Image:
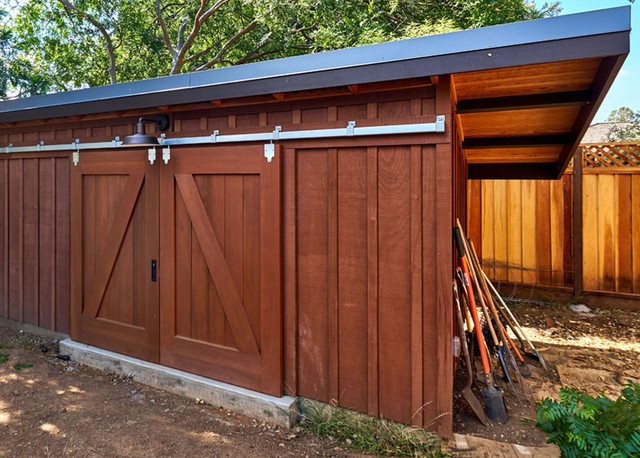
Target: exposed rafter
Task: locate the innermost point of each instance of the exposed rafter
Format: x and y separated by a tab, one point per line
516	142
524	102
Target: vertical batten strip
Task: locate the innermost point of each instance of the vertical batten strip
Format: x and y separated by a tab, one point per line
5	241
290	274
372	280
416	287
52	317
332	274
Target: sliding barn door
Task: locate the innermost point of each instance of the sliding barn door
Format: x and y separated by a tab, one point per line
220	265
115	297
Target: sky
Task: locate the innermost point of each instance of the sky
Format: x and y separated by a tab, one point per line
625	90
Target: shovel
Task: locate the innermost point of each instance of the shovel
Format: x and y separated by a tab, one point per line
471	398
492	396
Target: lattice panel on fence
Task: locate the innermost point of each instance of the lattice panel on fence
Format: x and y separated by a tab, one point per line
611	155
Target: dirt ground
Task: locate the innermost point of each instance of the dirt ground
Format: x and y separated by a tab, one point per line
59	408
52	407
593	351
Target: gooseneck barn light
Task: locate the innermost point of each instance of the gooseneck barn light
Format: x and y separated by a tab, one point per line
142	139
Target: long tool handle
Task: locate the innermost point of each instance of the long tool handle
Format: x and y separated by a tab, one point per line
472	303
463	337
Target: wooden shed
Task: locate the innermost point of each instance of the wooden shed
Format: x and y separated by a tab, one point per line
291	233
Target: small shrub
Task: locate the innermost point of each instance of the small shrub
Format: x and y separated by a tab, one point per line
20	366
584	426
3	358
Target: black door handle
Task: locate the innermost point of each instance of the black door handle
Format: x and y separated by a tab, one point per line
154	270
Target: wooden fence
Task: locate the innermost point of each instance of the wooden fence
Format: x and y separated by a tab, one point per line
580	234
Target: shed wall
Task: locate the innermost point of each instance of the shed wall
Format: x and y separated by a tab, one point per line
363	222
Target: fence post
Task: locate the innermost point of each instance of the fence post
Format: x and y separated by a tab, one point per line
577	227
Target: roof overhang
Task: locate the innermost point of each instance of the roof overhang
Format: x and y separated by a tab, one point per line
600	39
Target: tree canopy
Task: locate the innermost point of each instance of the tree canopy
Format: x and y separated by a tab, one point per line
626	127
54	45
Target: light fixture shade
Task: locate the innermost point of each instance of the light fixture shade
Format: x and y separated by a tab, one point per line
140	140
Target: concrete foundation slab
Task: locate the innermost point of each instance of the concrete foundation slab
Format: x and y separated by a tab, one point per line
279	411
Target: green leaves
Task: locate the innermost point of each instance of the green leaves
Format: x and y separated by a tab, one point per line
584	426
56	48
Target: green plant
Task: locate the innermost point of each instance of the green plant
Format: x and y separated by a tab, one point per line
20	366
369	434
3	358
584	426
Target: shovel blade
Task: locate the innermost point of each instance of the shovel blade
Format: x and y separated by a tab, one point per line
475	405
494	404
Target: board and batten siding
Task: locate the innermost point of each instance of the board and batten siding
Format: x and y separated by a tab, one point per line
34	241
367	251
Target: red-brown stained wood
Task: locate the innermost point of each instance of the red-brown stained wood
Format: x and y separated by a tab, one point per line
312	281
332	274
4	239
352	280
416	288
290	304
567	186
394	287
30	249
16	240
373	381
47	248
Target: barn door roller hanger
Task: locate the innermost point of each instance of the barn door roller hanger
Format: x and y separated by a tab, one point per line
269	148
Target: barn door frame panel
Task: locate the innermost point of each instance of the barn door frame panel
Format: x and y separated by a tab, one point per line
140	341
255	364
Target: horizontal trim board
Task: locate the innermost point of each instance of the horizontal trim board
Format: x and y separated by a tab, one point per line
277	135
522	171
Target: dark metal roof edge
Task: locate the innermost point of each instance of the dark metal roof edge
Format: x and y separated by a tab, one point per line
92	100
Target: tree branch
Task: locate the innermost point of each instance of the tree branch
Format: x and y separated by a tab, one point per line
165	32
252	56
110	49
218	57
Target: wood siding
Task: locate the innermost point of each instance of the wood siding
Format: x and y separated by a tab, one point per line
367	249
34	241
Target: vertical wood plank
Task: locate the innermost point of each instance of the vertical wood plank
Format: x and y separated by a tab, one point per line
182	231
30	249
514	228
606	230
501	236
217	209
429	285
332	273
251	251
394	283
567	236
417	418
635	225
543	229
556	228
474	219
372	282
63	245
233	237
312	192
624	280
529	256
289	272
352	277
488	229
199	276
590	243
4	238
16	239
46	236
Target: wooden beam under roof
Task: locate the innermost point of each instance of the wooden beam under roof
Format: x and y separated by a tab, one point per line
522	171
606	74
524	102
516	142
